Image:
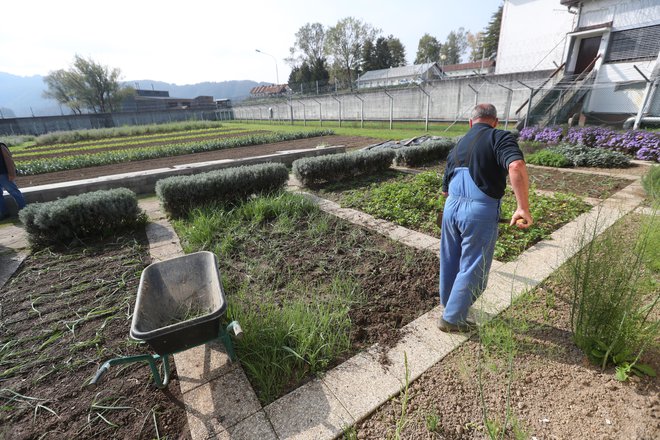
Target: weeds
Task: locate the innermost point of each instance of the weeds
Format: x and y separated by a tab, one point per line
611	317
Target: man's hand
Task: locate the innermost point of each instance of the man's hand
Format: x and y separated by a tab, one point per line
521	219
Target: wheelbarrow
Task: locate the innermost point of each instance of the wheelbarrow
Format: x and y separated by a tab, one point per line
180	305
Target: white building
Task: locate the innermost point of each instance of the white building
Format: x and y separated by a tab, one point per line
394	76
601	51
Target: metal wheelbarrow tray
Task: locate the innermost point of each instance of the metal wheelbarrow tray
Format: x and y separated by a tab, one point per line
180	304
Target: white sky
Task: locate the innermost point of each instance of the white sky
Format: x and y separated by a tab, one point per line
193	41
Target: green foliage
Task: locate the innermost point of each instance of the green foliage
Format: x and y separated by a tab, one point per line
549	159
410	202
414	202
336	167
40	166
582	156
181	193
428	50
95	214
425	153
651	183
60	137
612	317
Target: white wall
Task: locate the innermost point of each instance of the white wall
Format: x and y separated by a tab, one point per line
623	14
533	35
605	98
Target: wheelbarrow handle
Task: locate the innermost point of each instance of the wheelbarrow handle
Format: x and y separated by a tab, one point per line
100	372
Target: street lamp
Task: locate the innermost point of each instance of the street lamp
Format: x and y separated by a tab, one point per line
277	75
443	57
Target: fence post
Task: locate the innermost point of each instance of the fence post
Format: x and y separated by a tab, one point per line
428	106
476	95
304	113
361	110
339	105
509	96
529	102
391	106
320	115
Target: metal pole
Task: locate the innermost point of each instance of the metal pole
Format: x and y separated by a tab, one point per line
277	75
320	116
476	95
509	95
529	102
391	107
339	104
304	113
428	106
361	110
647	90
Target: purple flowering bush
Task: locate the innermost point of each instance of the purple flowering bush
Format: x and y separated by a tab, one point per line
547	135
643	145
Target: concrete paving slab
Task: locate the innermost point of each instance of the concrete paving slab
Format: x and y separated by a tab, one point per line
309	412
201	364
220	404
254	427
420	241
361	384
423	345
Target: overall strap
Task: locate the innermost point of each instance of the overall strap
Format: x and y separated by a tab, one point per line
470	149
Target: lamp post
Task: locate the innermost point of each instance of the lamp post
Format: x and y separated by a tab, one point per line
277	76
443	57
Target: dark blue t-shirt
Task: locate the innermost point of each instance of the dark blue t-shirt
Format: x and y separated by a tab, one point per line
487	152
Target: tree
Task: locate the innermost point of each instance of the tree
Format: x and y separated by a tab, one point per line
309	45
86	85
428	50
368	57
475	44
397	51
492	33
455	46
344	43
382	54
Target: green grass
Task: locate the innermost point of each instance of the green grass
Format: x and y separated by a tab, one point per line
378	130
295	321
413	201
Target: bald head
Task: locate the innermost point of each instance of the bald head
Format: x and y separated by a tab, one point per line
484	113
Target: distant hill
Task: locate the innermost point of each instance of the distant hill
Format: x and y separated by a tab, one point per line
22	95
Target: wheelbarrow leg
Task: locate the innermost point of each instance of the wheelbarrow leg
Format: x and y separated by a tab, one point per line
235	328
150	358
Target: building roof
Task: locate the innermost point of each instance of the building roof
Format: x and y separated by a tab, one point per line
468	66
269	90
396	72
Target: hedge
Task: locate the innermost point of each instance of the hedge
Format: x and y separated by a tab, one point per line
332	168
95	214
429	151
179	194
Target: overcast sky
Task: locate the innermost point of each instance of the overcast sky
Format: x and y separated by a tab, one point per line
186	42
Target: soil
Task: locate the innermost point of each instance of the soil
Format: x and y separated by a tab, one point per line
85	296
550	388
164	162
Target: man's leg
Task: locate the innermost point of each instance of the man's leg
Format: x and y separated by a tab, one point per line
477	250
450	256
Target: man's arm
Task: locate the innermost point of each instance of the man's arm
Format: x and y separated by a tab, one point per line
520	183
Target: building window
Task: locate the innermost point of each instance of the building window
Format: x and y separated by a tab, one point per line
634	44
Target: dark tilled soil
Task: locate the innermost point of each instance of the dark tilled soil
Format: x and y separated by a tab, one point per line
164	162
82	295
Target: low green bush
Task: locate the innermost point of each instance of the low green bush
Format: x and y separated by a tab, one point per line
549	159
336	167
651	183
95	214
427	152
582	156
181	193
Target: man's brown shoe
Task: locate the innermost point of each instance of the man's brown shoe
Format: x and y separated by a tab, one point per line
464	327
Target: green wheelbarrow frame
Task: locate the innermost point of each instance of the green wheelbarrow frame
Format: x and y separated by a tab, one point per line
166	287
152	359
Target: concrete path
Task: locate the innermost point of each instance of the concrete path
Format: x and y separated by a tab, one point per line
219	399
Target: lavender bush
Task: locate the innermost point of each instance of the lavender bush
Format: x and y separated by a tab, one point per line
548	135
640	144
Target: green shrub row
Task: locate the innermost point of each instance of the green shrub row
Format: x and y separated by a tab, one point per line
579	156
336	167
427	152
40	166
181	193
95	214
549	159
58	137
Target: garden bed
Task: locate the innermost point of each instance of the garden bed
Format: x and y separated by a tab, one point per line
414	200
526	363
309	289
64	313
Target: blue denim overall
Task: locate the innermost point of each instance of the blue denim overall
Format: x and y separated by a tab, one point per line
467	243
